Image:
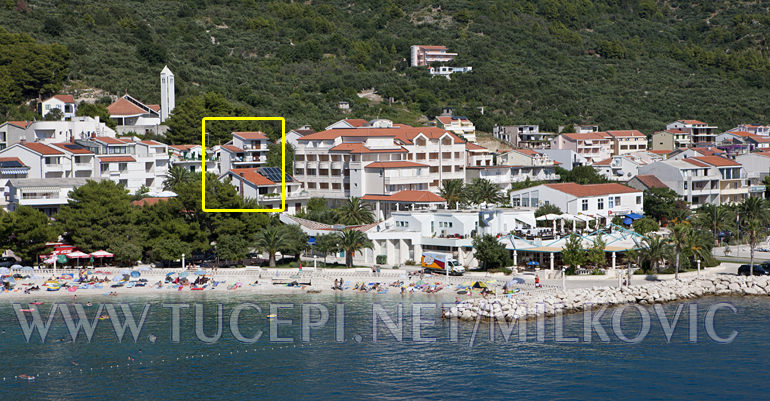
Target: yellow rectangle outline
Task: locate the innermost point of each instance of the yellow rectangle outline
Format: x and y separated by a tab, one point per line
283	163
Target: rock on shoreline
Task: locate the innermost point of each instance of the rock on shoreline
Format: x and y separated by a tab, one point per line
532	305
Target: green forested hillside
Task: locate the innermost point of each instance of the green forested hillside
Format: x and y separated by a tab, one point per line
618	63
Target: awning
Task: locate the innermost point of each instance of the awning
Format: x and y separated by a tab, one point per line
634	216
13	171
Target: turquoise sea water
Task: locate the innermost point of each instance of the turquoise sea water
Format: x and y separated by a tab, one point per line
473	366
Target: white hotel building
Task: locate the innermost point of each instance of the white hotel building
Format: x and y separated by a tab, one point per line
343	162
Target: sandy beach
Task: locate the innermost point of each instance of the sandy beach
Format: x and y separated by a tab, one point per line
241	281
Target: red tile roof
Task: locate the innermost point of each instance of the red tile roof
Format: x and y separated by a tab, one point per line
251	175
395	164
715	161
404	133
232	148
357	122
182	147
116	159
741	133
473	146
149	201
407	196
155	107
692	122
152	143
110	140
76	149
605	162
12	159
528	152
22	124
432	47
360	148
123	107
765	153
250	135
586	136
65	98
651	181
591	189
708	151
759	139
624	133
43	149
448	119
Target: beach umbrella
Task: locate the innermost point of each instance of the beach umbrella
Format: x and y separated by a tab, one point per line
101	254
25	268
170	273
135	274
78	255
200	272
515	280
16	267
532	263
5	270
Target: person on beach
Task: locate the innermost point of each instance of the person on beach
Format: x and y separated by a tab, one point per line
537	282
336	285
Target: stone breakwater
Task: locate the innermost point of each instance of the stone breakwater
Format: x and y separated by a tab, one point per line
532	305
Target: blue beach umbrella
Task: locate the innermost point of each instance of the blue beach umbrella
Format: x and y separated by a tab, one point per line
135	274
532	263
169	274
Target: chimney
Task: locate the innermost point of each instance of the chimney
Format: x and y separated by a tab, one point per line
241	174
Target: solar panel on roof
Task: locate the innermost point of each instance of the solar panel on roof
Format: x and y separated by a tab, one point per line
273	174
10	164
73	146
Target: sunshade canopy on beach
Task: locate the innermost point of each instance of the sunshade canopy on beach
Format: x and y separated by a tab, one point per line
78	255
479	284
101	254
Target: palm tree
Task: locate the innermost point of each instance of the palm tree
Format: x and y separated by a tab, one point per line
755	208
452	191
355	212
352	241
698	244
177	175
270	240
753	228
483	191
654	249
713	217
680	232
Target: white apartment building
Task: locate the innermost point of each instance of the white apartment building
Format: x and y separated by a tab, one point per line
46	195
264	185
406	235
596	200
79	127
479	155
593	146
49	161
132	164
64	103
702	180
190	157
523	136
332	163
135	117
701	134
626	166
757	167
460	126
423	55
246	150
627	141
753	129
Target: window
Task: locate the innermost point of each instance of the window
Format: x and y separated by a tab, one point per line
600	203
685	185
617	201
639	200
585	204
610	202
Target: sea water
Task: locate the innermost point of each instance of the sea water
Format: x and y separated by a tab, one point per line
384	346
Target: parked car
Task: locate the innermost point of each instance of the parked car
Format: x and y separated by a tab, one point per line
7	261
759	270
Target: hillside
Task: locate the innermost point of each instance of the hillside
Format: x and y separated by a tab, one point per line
621	64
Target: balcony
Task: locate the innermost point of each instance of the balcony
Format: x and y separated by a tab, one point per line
84	166
413	179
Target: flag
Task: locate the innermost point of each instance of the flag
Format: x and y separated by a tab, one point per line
738	218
